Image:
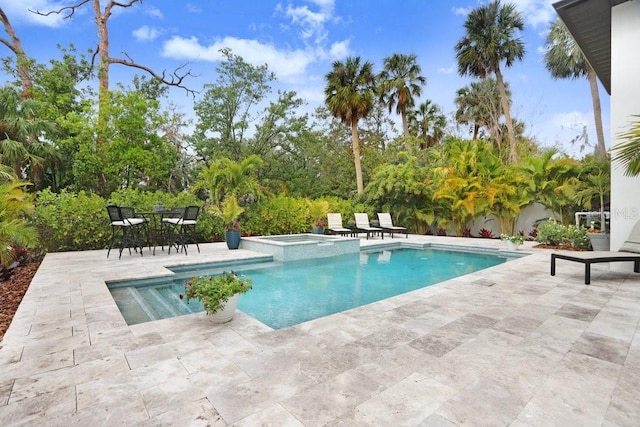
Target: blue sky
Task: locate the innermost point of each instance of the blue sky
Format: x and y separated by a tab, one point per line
299	40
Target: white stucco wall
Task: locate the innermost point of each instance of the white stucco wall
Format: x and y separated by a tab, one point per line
625	102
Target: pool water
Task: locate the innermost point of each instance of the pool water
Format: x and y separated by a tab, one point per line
293	292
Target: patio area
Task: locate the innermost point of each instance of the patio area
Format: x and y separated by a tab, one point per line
509	345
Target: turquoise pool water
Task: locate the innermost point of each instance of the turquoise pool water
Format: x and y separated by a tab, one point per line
293	292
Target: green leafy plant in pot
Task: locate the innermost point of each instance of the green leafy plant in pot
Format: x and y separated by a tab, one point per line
218	294
230	213
597	186
318	211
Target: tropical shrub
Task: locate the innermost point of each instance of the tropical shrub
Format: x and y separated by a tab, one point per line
576	237
15	230
551	232
71	222
278	215
486	234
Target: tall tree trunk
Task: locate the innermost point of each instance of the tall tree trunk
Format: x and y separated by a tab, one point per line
405	123
355	141
513	154
104	61
600	149
22	61
476	129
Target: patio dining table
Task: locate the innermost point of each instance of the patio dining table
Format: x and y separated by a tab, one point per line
158	232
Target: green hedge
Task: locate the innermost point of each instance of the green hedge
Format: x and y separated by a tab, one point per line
290	215
75	222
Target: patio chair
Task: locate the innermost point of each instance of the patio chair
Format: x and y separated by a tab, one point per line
127	228
362	226
130	213
183	228
334	225
629	251
387	225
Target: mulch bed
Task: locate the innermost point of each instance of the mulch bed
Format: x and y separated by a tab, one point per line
565	247
11	292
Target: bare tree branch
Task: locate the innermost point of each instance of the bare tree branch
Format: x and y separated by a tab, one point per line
69	10
175	78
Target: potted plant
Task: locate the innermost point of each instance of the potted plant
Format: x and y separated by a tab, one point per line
598	186
318	211
218	294
512	241
318	228
230	212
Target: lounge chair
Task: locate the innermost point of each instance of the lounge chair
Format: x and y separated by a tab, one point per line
629	251
362	226
334	225
387	225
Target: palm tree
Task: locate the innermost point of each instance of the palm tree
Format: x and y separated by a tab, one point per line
490	40
225	178
427	123
400	82
628	153
564	60
480	104
349	95
20	128
15	202
552	181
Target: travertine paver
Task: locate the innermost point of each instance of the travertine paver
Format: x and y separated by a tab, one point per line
509	345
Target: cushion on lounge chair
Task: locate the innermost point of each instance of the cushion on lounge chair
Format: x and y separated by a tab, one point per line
387	224
632	244
334	224
362	225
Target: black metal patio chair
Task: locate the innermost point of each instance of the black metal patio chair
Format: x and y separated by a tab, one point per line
126	228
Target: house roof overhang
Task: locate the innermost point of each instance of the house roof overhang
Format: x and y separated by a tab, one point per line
589	21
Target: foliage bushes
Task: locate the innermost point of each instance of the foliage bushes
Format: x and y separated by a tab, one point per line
289	215
551	232
79	221
72	222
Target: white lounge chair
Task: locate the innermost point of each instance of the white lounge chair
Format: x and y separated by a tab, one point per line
387	224
334	225
629	251
362	226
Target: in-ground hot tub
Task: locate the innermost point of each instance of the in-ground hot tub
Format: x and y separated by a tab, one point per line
291	247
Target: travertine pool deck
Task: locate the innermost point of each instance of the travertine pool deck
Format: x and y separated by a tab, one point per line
509	345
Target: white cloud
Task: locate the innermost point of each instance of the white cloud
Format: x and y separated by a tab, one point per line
536	12
311	23
339	50
192	8
154	11
285	64
448	70
146	33
19	12
461	11
574	120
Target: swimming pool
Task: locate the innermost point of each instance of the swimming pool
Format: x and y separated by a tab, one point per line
289	293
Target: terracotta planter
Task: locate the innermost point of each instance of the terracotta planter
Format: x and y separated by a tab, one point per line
226	314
